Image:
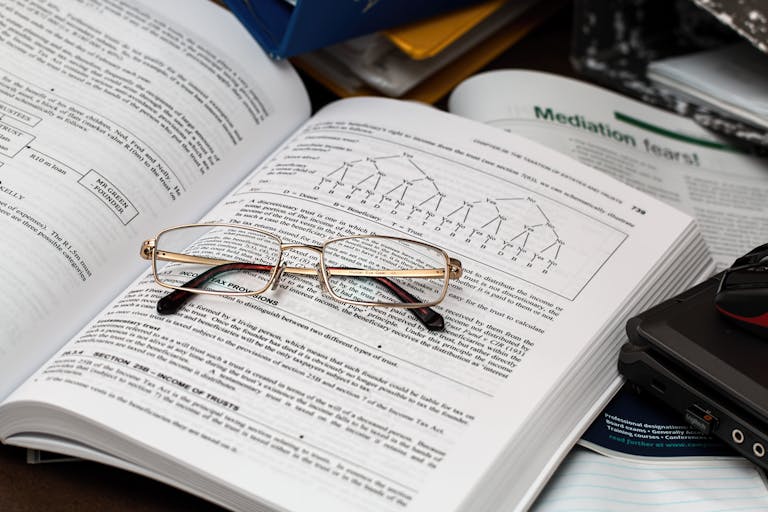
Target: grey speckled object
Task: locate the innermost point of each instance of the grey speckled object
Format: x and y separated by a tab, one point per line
614	41
748	17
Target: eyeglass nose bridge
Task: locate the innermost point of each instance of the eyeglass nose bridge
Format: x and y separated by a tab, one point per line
318	269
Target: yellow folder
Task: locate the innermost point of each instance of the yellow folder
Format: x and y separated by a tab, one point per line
427	38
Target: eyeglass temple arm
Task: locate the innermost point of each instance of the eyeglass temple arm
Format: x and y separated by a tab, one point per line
172	302
430	318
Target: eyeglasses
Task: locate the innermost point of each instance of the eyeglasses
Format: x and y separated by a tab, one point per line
364	270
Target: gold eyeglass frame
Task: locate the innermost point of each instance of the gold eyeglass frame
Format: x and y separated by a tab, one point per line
451	270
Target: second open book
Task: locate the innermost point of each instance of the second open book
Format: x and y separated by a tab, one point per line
290	401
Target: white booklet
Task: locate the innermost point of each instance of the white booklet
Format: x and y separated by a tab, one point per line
289	400
665	155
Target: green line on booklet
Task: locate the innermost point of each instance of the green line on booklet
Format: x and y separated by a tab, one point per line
673	135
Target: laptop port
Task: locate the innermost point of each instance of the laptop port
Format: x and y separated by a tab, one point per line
658	386
700	419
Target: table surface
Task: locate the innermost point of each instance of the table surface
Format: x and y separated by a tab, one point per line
86	486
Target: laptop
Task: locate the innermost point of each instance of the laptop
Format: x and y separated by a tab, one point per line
713	373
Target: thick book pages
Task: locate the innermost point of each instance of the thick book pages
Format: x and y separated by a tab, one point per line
245	400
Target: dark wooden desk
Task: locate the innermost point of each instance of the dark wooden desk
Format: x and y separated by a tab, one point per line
85	486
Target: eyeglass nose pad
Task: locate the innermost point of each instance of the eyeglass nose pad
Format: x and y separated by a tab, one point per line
321	278
278	274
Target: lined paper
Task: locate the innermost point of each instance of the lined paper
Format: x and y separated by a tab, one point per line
589	482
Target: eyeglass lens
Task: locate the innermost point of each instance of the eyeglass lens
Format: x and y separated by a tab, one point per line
384	254
231	259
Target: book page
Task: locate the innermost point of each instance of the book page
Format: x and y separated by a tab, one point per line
363	408
115	120
665	155
589	481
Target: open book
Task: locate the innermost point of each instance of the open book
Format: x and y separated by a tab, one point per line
289	400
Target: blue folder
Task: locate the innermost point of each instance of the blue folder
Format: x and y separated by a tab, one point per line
284	30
